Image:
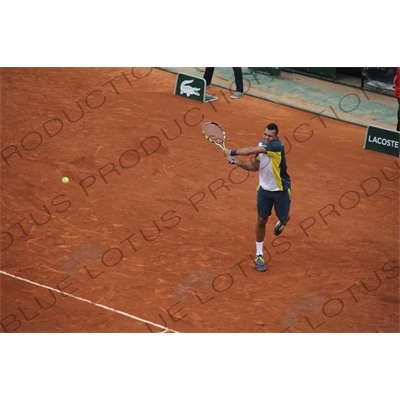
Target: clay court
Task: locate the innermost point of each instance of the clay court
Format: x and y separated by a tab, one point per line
155	230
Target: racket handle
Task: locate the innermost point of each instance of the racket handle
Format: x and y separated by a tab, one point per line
232	161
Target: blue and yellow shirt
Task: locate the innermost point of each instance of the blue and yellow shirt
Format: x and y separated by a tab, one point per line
273	174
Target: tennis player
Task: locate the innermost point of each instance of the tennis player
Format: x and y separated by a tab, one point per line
273	189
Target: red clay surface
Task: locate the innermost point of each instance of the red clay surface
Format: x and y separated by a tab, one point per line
156	224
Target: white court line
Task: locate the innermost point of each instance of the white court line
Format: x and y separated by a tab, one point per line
165	329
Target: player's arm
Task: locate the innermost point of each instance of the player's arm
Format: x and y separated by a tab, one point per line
252	165
245	151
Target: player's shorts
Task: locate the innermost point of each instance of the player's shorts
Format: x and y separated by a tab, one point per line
280	200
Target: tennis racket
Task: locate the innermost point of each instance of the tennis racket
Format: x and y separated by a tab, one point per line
214	133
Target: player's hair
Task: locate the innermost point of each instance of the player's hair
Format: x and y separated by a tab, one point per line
272	127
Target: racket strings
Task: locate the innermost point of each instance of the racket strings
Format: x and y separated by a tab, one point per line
214	132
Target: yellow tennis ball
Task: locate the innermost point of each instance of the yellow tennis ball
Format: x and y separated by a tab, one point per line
65	180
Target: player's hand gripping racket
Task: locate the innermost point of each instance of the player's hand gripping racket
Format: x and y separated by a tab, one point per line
215	134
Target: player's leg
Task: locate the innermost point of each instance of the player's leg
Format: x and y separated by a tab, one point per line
260	229
264	208
282	203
